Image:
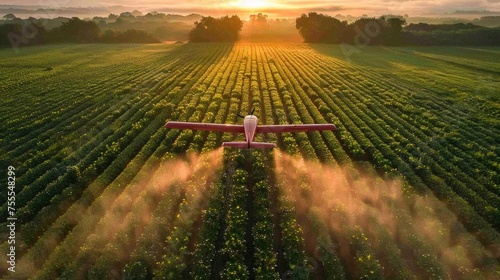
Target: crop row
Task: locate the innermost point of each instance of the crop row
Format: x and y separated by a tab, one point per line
73	186
161	119
93	190
66	156
375	155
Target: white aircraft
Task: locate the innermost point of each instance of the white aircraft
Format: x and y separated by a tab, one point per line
250	127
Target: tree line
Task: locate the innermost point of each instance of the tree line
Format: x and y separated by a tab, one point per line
313	28
210	29
166	27
391	31
31	32
18	32
459	34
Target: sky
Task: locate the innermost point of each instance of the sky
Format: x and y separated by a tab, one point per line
292	8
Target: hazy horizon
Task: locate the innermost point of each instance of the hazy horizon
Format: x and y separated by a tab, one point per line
283	8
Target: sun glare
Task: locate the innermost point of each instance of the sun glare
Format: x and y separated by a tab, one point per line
252	4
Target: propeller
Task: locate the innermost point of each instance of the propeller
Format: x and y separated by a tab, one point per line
251	113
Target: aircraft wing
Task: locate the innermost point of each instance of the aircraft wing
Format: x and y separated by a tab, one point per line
206	126
294	128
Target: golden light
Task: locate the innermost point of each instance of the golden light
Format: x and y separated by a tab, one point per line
252	4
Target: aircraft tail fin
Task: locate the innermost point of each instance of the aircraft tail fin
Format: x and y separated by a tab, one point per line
244	145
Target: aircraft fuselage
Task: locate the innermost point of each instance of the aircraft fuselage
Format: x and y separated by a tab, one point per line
250	126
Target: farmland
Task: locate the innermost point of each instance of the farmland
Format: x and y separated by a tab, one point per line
407	188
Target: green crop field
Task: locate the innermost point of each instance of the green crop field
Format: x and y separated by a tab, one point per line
407	188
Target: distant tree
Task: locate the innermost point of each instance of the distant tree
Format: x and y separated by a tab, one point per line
209	29
126	15
17	34
372	31
258	19
120	20
75	31
451	35
396	24
9	16
128	36
112	16
102	23
365	31
315	28
440	27
319	28
392	31
155	15
136	13
109	36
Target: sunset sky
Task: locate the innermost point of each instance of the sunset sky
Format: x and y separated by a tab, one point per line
292	8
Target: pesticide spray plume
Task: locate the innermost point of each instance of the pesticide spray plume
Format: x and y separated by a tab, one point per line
177	170
346	199
124	208
127	212
133	209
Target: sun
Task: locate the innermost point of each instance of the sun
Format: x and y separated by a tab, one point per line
252	4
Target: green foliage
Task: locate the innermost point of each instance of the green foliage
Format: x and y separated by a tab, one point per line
319	28
128	36
75	30
93	138
209	29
